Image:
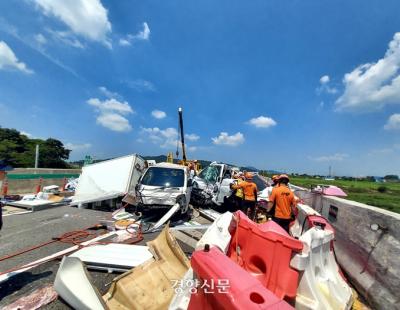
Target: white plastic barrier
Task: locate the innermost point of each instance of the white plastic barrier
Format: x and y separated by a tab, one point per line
321	286
300	226
218	233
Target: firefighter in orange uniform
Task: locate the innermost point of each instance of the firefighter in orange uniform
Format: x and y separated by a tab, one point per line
283	199
250	190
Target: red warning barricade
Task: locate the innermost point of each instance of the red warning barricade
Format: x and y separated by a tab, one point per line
265	251
317	220
39	186
5	187
64	184
225	285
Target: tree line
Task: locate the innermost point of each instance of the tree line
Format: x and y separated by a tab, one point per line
18	151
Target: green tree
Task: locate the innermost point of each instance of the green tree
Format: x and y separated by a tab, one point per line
12	146
391	177
18	150
53	154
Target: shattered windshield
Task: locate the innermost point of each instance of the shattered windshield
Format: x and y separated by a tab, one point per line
157	176
210	173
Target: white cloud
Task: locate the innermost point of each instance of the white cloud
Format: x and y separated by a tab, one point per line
66	37
371	86
110	113
87	18
225	139
334	157
166	138
143	35
111	105
77	146
8	60
192	137
324	87
40	38
140	85
26	134
158	114
262	122
109	94
12	31
324	79
393	122
114	121
124	42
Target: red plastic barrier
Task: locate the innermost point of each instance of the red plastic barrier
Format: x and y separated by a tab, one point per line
265	251
241	290
5	187
316	220
39	186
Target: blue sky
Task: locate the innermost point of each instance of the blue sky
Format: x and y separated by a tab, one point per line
290	85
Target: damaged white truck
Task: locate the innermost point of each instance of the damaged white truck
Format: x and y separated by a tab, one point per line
162	186
212	185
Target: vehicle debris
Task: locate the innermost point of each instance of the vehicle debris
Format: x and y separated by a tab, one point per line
149	285
35	300
108	179
116	257
73	285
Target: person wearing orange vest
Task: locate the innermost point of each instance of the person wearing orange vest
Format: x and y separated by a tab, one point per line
237	193
275	180
283	199
275	183
250	190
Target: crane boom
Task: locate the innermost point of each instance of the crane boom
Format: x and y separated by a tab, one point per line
182	136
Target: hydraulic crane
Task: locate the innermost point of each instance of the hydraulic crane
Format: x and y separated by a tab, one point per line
184	160
182	137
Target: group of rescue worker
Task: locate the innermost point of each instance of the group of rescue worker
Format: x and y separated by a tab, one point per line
281	199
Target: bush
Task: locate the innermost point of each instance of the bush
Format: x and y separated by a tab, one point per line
382	189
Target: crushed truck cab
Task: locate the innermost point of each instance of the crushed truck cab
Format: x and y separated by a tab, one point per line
162	186
212	185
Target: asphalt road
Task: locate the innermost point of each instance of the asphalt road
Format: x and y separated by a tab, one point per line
26	230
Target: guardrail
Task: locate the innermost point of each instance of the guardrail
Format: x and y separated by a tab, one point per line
367	245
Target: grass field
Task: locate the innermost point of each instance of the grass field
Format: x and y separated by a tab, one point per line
387	197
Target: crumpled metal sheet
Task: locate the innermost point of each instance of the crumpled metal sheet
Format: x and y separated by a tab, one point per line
150	285
35	300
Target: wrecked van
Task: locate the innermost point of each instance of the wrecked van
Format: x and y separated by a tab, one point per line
162	186
212	184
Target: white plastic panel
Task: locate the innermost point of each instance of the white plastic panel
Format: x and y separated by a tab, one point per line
121	255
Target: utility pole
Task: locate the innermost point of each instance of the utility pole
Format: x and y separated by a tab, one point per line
330	171
37	156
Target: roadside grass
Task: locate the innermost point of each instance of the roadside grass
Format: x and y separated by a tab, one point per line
382	195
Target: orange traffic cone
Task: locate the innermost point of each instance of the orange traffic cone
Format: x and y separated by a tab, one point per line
5	187
64	184
39	186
